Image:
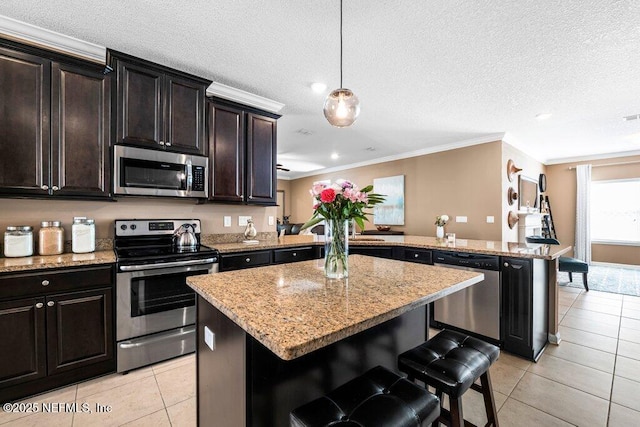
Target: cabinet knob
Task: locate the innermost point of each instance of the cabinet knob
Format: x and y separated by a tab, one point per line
250	197
506	264
161	142
50	304
45	187
55	188
45	283
295	254
168	144
39	305
248	260
415	255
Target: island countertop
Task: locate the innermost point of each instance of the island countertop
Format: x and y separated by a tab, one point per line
488	247
293	310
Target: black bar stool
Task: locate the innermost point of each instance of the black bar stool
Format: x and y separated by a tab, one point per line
377	398
451	362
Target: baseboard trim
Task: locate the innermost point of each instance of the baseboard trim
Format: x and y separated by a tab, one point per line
614	265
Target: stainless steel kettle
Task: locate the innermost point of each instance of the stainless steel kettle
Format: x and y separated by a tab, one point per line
185	237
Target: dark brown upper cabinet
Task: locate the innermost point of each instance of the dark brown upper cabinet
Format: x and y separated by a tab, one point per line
242	153
54	124
157	107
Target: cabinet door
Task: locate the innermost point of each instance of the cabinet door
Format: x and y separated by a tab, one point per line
80	118
79	329
517	305
226	153
139	106
261	160
24	123
22	346
185	114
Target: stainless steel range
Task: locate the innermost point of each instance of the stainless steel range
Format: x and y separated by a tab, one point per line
155	311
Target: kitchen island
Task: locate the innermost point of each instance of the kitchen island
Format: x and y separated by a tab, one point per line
283	335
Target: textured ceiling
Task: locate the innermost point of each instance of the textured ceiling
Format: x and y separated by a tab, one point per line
428	73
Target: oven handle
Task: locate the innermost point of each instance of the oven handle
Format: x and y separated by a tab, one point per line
168	264
181	332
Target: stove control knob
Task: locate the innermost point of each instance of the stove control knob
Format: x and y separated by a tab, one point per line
133	226
123	227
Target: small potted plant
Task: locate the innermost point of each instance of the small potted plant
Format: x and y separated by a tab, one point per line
441	221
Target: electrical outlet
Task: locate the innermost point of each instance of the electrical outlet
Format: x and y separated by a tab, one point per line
227	221
242	220
271	220
490	219
461	219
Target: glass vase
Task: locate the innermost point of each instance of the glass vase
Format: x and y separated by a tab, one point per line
336	249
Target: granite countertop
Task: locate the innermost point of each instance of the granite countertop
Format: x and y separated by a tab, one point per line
512	249
12	265
292	309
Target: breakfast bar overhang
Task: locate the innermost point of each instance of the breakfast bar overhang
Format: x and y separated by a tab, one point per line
272	338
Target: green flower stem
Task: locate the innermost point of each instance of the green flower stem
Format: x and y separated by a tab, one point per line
336	249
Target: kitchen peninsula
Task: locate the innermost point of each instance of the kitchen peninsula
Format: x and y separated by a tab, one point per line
271	338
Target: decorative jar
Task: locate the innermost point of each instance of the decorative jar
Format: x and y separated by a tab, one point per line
18	241
50	238
440	232
83	235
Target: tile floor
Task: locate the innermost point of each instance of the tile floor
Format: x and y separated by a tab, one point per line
591	379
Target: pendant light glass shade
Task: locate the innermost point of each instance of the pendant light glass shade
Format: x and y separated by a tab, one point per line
341	108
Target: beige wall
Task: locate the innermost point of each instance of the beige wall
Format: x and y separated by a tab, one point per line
460	182
32	212
562	195
530	168
285	185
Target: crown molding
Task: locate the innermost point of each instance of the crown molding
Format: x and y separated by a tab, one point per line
243	97
438	148
23	32
593	157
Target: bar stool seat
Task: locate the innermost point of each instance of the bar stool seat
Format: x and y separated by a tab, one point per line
451	362
377	398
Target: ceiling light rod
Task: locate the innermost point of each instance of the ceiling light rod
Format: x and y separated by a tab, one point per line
342	107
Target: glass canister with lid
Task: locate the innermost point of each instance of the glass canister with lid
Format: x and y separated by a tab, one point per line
18	241
83	235
50	238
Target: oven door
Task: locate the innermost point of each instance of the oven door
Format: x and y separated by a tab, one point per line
154	298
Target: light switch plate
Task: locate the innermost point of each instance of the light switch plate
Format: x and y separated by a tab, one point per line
227	221
461	219
242	220
270	219
209	338
490	219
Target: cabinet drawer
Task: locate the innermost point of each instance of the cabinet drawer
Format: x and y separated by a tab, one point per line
380	252
417	255
293	254
245	260
47	282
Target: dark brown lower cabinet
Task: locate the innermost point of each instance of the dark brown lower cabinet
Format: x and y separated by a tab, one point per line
53	335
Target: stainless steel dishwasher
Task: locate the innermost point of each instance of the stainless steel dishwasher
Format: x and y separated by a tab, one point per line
476	308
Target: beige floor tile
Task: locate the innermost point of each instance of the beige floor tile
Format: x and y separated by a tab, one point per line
108	382
625	392
473	408
582	355
513	360
620	416
629	334
629	349
598	307
566	299
589	325
631	304
562	309
157	419
504	377
177	384
588	339
60	419
570	290
183	414
517	414
128	403
627	368
602	295
600	317
63	395
626	322
631	313
174	363
569	404
574	375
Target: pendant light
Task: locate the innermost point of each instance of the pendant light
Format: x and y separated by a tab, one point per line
342	106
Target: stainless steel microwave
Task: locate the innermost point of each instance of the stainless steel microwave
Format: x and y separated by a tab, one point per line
143	172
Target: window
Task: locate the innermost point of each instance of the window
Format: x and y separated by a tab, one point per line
615	211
